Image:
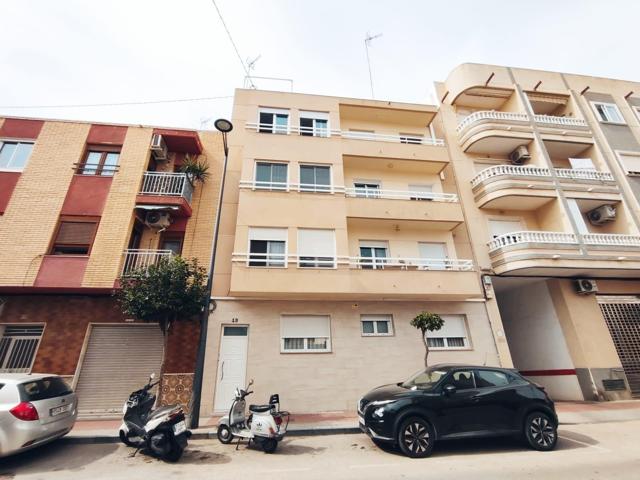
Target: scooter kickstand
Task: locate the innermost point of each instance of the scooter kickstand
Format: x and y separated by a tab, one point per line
131	455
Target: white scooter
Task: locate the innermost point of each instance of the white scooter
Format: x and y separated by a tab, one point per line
265	426
163	430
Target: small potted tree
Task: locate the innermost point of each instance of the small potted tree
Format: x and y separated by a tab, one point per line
427	321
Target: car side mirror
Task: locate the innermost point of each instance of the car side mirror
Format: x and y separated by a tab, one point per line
449	389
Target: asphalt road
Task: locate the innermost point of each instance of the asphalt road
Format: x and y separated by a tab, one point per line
588	451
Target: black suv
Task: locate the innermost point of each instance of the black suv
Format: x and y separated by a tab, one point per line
458	401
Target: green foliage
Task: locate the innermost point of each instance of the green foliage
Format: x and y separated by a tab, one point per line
427	321
196	170
171	290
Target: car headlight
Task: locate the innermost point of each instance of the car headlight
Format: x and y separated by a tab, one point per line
381	404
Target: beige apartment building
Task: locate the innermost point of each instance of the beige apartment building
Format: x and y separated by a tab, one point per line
341	221
547	166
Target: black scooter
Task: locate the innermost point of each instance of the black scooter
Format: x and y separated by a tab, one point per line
162	431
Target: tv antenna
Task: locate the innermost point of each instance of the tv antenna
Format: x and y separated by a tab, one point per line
367	42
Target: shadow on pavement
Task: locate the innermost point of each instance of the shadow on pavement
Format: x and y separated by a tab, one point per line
54	457
200	457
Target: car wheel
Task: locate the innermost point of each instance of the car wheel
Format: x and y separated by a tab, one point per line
224	434
540	431
416	437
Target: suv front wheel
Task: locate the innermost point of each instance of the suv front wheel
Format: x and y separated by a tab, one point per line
416	437
540	431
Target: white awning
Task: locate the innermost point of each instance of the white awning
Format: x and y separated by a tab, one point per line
157	207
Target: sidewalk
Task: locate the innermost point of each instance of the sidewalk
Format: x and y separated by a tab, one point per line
569	413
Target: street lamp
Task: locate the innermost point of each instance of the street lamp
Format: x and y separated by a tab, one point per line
223	126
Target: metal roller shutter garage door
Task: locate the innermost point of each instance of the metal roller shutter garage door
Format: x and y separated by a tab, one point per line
118	360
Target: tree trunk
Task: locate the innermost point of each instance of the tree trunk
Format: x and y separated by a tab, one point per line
426	348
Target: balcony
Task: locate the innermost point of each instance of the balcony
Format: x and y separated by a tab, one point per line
136	260
561	254
499	133
289	276
166	189
528	187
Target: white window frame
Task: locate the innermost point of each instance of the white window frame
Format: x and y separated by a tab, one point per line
313	188
467	336
314	116
523	226
405	137
325	266
286	247
594	105
376	263
276	188
19	142
371	317
627	153
274	112
12	345
415	193
445	260
366	192
306	348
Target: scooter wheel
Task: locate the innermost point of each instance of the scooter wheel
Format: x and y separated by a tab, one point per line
269	445
224	434
174	454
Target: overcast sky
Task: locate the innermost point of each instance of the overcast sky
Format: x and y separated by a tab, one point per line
69	52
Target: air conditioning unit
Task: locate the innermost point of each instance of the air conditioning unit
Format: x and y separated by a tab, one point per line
520	155
603	214
157	219
159	148
585	286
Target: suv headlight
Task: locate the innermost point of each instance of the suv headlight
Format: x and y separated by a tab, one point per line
379	407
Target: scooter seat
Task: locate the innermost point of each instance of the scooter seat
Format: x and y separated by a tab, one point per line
259	408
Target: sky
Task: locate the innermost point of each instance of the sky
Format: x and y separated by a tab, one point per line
75	52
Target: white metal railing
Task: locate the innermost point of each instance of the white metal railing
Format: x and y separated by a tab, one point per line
565	121
321	132
511	170
290	187
584	174
139	259
515	238
282	260
169	184
611	239
490	115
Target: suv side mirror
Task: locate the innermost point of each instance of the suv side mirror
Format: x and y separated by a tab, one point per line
449	389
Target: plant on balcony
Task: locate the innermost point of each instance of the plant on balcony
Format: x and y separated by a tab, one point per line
427	321
196	170
173	289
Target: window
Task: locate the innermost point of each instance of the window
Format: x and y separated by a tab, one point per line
99	161
367	189
502	227
172	241
630	163
271	176
74	236
314	124
316	248
373	255
433	255
376	325
305	333
452	335
18	345
414	138
14	155
43	389
581	164
462	380
315	178
274	121
608	112
491	378
267	247
420	192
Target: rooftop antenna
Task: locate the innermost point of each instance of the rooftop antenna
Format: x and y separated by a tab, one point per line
367	42
251	65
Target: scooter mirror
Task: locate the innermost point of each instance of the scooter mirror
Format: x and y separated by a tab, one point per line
250	382
152	376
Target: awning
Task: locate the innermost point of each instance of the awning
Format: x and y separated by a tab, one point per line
157	207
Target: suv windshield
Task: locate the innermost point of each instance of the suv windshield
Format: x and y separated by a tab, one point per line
427	378
43	389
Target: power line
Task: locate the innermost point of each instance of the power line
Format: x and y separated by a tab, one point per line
118	104
244	67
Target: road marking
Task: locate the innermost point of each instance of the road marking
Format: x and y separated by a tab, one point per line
585	444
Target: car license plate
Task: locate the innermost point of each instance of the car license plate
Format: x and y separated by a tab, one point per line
179	427
58	410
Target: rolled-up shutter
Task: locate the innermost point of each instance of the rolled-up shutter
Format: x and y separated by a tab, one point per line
76	233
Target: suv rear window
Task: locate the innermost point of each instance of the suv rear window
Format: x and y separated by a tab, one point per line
43	389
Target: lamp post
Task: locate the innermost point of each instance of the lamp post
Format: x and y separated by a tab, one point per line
224	127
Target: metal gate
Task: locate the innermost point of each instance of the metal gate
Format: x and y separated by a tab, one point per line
118	360
18	345
622	314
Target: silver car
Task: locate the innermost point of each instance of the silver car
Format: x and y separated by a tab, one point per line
34	409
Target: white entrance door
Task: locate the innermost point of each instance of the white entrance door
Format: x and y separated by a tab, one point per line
232	365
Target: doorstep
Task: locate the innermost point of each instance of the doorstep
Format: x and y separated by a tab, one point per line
331	423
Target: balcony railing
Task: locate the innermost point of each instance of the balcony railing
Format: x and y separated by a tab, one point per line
564	121
515	238
136	260
376	137
167	184
611	239
518	117
530	171
282	260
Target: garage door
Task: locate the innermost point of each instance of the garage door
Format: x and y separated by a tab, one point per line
117	361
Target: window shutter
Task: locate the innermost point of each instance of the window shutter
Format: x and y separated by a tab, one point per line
630	163
76	233
278	234
453	327
305	326
316	243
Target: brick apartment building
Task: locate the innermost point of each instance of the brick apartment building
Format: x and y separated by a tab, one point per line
80	205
